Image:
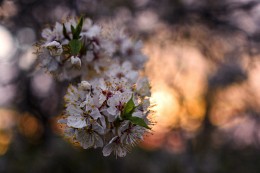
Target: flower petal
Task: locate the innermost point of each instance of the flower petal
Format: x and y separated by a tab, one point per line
76	121
107	150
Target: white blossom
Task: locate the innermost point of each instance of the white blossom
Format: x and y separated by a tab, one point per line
132	134
89	137
116	104
95	109
115	146
109	107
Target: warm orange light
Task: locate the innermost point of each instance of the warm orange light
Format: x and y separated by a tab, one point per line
5	139
178	75
29	126
7	122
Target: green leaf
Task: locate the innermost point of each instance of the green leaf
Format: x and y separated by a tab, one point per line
128	108
127	112
75	46
83	48
72	29
65	32
138	121
76	32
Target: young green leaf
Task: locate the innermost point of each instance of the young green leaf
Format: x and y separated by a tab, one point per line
75	46
128	108
65	32
76	32
72	30
83	49
138	121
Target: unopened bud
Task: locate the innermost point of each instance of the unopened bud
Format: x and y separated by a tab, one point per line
55	48
75	61
85	85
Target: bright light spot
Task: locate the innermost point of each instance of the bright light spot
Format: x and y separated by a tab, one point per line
7	93
41	84
178	75
26	36
7	47
8	71
166	107
7	119
147	20
27	59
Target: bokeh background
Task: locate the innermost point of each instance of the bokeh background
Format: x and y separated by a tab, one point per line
204	67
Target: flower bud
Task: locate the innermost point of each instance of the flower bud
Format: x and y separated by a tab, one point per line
75	61
85	85
55	48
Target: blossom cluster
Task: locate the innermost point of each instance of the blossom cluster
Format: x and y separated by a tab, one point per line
109	108
76	49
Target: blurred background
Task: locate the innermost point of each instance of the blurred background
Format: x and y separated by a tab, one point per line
204	67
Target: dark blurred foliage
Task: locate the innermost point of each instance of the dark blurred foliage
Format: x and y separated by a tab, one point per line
217	129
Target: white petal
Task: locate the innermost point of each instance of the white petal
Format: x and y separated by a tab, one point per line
107	150
83	104
138	114
93	31
76	121
89	57
112	110
72	110
98	141
132	75
102	98
69	132
95	114
47	33
84	139
103	121
98	128
121	152
126	66
62	121
111	118
143	87
58	28
102	84
124	125
52	66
